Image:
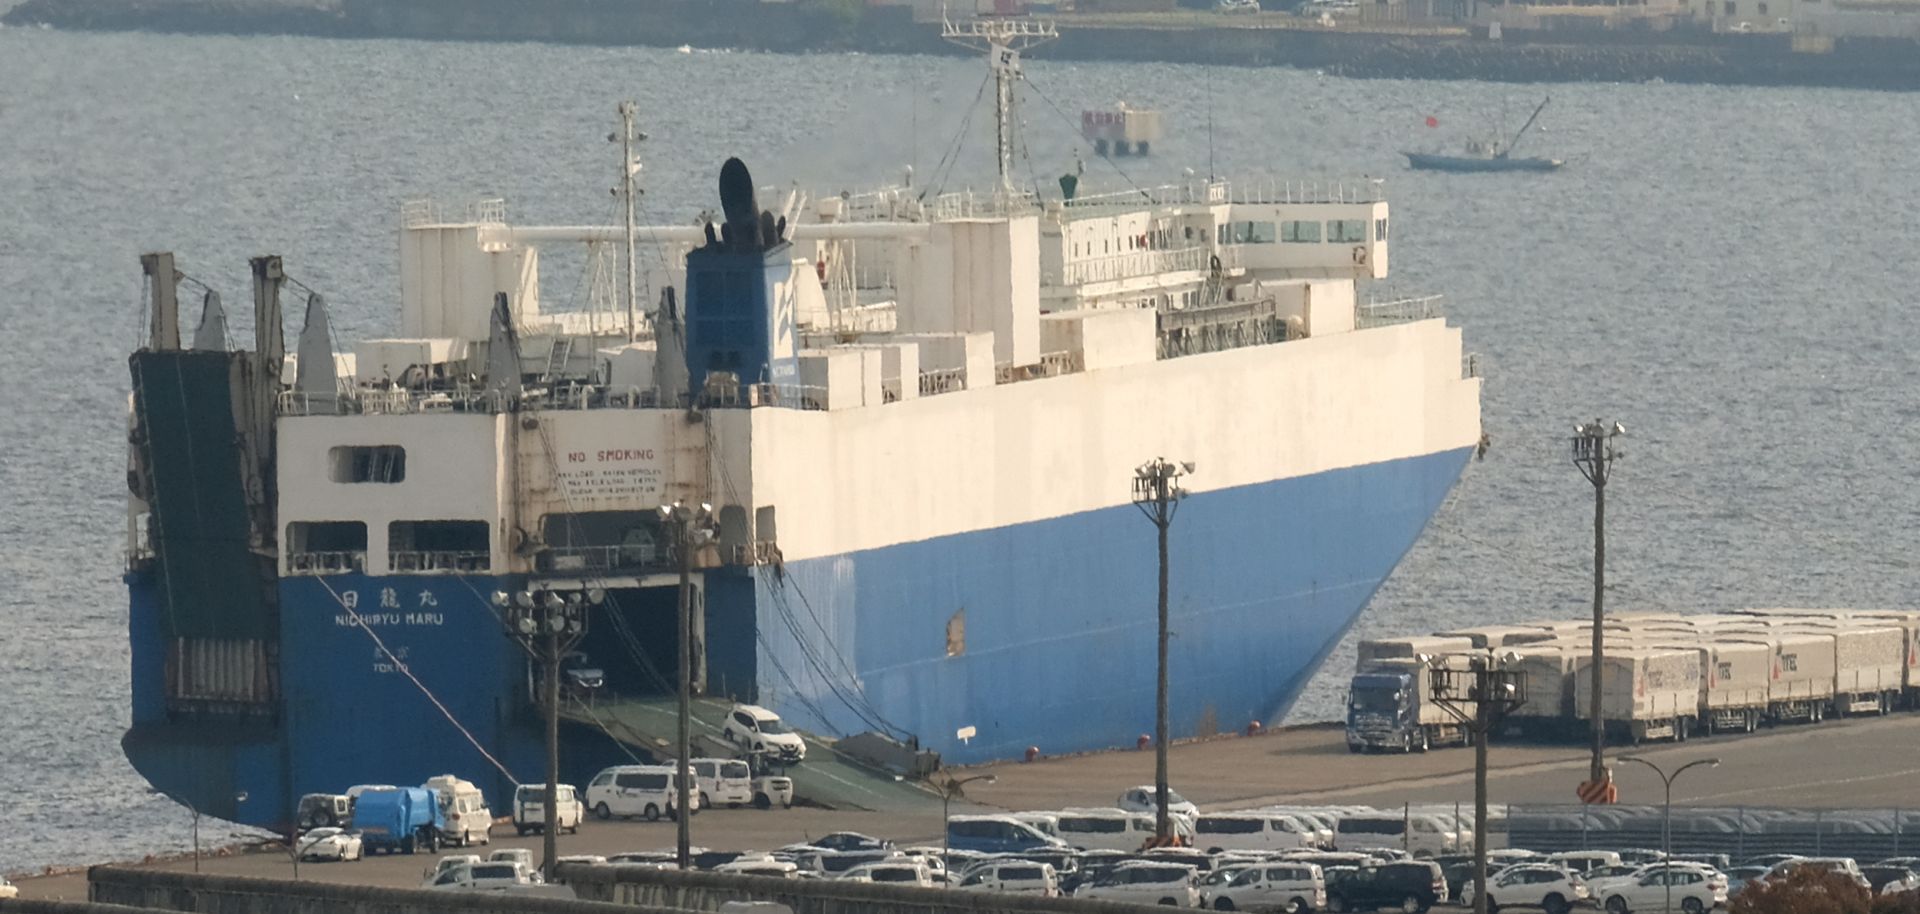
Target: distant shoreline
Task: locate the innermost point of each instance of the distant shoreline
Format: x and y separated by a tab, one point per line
806	26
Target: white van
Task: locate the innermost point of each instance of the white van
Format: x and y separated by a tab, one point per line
530	808
648	791
1110	829
1044	822
463	808
1419	835
722	782
1252	831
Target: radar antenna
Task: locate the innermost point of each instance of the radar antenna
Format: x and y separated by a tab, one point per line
1003	40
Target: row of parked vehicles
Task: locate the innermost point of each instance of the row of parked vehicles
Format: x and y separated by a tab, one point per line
1664	676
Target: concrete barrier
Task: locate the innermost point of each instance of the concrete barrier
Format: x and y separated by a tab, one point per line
204	894
43	906
647	887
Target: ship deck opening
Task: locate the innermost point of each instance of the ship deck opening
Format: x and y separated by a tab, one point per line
633	637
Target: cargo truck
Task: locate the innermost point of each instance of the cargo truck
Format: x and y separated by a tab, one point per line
1868	664
1547	672
1909	624
1390	705
1372	650
1802	671
1645	692
1735	697
401	819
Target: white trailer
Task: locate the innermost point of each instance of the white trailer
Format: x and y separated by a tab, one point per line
1909	623
1736	685
1868	664
1801	686
1547	673
1492	637
1649	693
1372	651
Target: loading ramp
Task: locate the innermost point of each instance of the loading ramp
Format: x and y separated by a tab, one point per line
828	778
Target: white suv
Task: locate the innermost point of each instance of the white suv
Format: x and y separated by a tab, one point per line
1289	887
1691	892
1142	799
1013	877
1146	883
757	729
1550	888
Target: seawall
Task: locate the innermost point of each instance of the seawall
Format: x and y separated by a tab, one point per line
1688	56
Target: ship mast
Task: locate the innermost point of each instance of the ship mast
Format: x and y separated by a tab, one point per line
629	171
1003	40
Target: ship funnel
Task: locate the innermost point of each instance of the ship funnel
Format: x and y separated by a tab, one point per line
740	320
211	335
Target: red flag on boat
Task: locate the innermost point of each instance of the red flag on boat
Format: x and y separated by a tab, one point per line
1432	121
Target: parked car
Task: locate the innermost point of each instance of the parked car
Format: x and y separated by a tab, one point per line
530	809
482	877
1412	886
1012	877
897	871
996	835
1842	865
1550	888
1768	860
1276	886
1420	835
1691	893
1141	799
1890	880
322	810
850	841
330	844
760	866
757	729
1585	861
1640	855
1253	831
723	782
1237	6
647	791
446	863
1716	880
1739	876
1146	883
520	855
8	889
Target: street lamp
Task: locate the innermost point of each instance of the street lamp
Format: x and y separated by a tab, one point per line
948	791
691	526
547	624
1666	827
1157	493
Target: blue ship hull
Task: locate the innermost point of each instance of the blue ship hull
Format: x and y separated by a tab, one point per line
1057	651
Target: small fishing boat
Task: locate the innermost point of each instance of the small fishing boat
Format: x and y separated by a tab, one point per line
1481	156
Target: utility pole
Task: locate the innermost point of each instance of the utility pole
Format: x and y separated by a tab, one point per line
547	624
1479	697
1157	493
1593	453
691	527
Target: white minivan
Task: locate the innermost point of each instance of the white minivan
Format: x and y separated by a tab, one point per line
648	791
530	808
1419	835
1110	829
722	782
1252	831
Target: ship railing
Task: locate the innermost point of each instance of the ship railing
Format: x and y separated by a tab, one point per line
418	562
636	557
1054	364
391	401
1276	191
1397	311
969	205
942	381
791	396
1135	263
426	211
1223	326
326	562
758	552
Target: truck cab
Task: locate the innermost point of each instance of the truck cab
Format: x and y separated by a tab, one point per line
1382	712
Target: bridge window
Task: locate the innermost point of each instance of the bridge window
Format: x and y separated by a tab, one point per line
1347	231
326	546
368	463
438	545
1300	232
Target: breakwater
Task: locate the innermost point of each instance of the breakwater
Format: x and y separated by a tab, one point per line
1684	56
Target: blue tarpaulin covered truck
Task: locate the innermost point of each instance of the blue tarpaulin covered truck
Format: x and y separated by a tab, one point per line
401	819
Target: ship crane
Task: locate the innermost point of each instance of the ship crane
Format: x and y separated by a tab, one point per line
1004	40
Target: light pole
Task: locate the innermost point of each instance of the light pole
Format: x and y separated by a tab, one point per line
1157	493
691	527
1479	697
948	791
1666	824
547	624
1593	454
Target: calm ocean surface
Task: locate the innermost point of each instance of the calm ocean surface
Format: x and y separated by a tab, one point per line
1725	270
